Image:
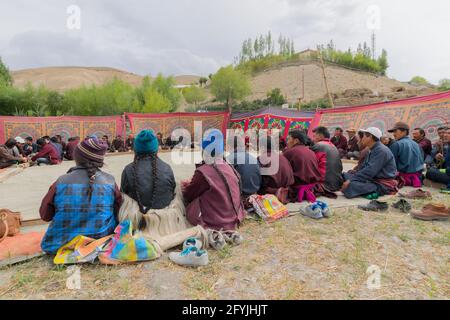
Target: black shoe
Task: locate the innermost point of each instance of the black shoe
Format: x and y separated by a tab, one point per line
374	205
403	205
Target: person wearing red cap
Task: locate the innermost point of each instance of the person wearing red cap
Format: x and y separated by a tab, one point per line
85	201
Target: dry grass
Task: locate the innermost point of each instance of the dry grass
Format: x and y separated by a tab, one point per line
296	258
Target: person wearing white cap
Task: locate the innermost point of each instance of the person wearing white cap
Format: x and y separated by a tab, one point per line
377	173
19	145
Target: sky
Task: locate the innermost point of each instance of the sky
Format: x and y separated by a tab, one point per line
177	37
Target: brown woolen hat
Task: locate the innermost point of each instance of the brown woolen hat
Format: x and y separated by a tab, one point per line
399	125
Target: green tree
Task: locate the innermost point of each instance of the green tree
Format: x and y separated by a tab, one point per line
155	102
418	80
444	85
229	84
275	97
5	76
166	87
194	95
383	62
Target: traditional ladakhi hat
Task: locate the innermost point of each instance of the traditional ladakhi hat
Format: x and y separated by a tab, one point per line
91	149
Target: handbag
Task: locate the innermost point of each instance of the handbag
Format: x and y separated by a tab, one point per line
10	223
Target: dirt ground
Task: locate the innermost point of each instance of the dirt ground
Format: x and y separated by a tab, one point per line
295	258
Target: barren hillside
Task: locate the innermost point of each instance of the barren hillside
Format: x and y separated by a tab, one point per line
64	78
289	80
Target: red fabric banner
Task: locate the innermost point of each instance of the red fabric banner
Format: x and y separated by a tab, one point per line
167	122
427	112
66	126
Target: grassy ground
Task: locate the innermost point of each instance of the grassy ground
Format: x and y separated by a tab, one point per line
295	258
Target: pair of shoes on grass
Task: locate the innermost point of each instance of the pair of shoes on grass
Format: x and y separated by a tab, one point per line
403	205
374	205
317	210
192	254
218	239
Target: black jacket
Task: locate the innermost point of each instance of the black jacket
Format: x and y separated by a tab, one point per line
165	183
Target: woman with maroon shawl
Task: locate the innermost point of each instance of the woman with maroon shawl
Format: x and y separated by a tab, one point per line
213	195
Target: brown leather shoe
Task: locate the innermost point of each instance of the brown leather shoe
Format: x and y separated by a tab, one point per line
416	194
432	211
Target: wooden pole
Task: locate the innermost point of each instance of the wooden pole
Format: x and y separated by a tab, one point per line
330	98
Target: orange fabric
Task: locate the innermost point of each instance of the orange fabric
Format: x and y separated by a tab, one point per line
21	245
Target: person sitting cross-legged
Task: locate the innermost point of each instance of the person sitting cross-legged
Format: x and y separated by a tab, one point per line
6	158
439	150
48	155
377	173
148	179
442	175
85	201
213	195
353	150
247	166
304	166
278	182
408	156
330	163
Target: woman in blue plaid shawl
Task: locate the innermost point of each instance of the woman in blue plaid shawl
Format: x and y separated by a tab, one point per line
85	201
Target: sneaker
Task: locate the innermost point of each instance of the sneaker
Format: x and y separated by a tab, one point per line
216	239
190	257
403	205
432	211
312	211
416	194
326	211
374	205
192	242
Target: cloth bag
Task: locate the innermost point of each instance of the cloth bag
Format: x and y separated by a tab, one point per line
10	223
268	207
80	249
128	247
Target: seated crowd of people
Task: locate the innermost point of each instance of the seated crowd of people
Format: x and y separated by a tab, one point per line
216	196
51	150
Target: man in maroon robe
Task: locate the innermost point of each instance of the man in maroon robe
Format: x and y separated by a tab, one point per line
304	166
419	136
340	142
279	182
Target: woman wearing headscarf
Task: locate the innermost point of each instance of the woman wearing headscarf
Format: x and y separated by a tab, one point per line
85	201
148	180
213	195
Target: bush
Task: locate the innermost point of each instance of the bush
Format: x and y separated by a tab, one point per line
444	85
419	81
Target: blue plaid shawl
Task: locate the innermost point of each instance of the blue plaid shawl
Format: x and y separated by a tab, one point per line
76	215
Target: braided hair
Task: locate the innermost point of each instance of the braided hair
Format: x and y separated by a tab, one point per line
91	167
153	157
